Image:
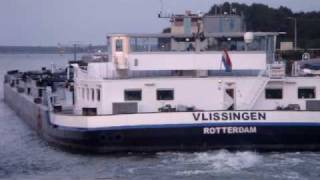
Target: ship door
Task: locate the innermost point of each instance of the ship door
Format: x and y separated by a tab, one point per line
229	99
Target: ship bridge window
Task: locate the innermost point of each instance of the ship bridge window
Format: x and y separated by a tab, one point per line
274	93
92	94
98	95
165	94
132	95
119	45
88	97
146	44
306	93
40	93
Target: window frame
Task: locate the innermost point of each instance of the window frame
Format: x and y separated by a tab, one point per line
168	99
92	94
125	97
310	88
119	45
88	93
98	95
273	98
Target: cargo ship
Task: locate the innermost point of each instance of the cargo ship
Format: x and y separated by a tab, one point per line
173	91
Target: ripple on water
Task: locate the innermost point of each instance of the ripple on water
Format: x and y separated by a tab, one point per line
211	164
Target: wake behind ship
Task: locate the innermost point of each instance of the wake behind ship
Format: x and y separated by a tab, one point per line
188	90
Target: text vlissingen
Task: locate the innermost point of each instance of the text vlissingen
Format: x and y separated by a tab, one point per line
229	116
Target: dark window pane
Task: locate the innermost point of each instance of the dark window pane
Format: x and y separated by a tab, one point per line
132	95
92	94
165	95
119	45
98	94
88	94
306	93
273	93
40	92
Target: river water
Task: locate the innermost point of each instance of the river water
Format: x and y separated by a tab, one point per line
23	155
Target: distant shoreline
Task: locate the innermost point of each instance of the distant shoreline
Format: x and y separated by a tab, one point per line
49	49
31	53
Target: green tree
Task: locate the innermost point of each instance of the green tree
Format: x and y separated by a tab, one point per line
260	17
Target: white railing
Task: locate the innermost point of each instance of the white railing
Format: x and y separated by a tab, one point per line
277	71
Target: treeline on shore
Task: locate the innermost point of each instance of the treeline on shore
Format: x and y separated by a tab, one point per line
50	49
260	17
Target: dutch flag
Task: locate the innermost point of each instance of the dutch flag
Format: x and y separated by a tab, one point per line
226	61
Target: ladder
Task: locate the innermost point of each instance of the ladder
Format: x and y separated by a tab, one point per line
256	92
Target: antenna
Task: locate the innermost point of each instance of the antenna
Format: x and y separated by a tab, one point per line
161	4
161	13
75	47
75	51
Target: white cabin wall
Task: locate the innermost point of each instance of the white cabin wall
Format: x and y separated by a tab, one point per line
148	95
271	104
109	95
85	101
97	70
196	61
245	89
290	93
203	93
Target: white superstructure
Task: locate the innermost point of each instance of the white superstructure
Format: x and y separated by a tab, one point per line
149	73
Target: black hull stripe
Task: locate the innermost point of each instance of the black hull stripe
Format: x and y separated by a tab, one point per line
269	124
190	139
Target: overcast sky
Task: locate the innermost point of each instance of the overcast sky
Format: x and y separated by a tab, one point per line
49	22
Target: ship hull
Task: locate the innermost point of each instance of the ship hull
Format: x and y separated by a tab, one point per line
200	135
269	138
